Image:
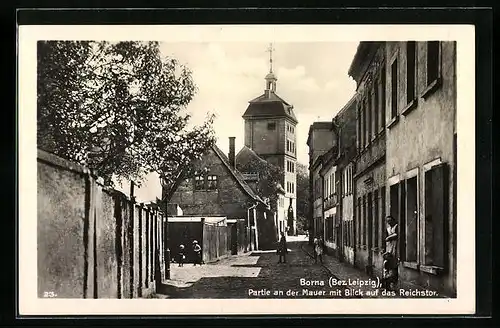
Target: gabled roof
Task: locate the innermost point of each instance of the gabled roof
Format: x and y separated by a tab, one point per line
270	106
237	175
246	154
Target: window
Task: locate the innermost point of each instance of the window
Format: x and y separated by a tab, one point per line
394	89
358	221
271	126
199	182
394	206
363	125
436	213
411	219
382	222
369	118
358	128
432	61
410	71
212	182
376	218
365	220
382	97
369	222
376	109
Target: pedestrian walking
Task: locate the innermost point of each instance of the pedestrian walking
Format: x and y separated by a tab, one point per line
197	253
318	250
282	248
181	256
390	274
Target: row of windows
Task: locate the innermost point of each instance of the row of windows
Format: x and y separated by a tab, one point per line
290	128
317	187
207	182
290	146
290	187
347	181
370	211
290	166
431	224
348	229
371	115
421	235
330	188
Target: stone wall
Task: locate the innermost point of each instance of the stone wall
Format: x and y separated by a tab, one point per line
89	243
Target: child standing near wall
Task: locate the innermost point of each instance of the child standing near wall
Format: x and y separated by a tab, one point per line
181	256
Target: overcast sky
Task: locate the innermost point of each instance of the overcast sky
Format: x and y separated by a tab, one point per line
311	76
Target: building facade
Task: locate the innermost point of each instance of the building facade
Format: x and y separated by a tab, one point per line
330	180
270	131
215	188
320	140
345	125
265	180
421	159
369	71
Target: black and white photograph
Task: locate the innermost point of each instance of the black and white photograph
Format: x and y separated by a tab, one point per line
204	167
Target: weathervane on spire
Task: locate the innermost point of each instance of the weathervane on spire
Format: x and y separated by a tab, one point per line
270	50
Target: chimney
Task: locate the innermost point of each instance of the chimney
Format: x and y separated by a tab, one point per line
232	160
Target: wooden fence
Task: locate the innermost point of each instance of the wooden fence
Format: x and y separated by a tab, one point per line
216	241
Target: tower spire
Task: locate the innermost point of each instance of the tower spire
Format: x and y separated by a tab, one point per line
270	50
270	77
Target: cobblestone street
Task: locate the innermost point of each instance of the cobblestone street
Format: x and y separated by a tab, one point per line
254	275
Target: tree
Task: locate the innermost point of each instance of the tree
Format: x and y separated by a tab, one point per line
117	108
302	197
270	175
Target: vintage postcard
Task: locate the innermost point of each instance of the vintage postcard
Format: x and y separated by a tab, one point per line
312	169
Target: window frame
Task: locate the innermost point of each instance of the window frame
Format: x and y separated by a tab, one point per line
211	181
411	99
394	109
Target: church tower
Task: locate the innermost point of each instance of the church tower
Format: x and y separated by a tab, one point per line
270	131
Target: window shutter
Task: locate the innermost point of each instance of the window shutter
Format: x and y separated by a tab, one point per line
439	213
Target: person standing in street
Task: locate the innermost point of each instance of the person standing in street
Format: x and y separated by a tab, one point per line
318	250
282	248
181	256
197	253
390	274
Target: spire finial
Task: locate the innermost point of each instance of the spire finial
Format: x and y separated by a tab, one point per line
270	50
